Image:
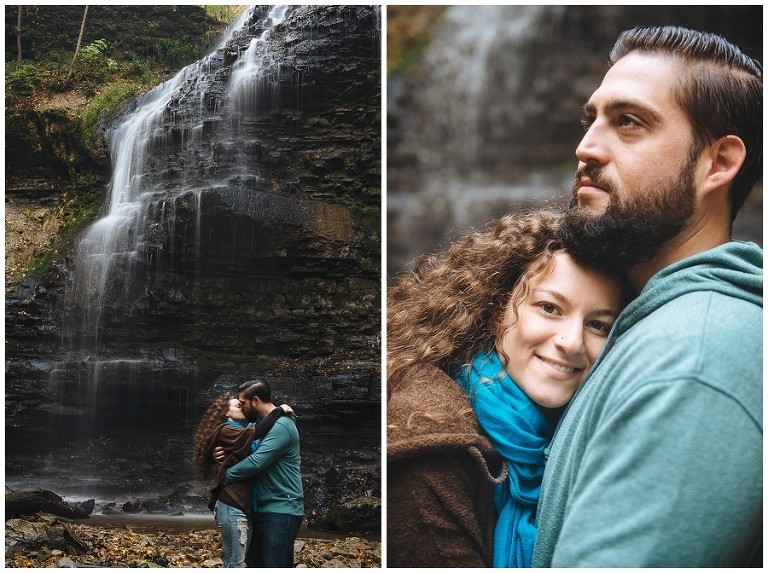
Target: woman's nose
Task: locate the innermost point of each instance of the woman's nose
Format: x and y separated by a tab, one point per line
570	339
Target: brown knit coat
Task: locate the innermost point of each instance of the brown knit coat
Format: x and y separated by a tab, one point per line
238	442
440	476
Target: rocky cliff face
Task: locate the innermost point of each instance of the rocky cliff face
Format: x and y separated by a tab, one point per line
258	256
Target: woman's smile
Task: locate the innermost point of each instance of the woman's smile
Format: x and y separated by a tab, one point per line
561	371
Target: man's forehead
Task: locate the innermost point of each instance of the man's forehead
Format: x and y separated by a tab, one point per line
646	80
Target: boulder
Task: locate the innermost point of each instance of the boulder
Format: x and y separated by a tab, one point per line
361	515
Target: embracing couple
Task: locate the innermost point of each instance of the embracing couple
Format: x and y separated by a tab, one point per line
584	388
256	496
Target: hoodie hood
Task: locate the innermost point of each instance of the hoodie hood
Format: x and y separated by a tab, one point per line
734	269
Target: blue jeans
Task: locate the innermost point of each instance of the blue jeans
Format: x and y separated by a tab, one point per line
235	533
273	537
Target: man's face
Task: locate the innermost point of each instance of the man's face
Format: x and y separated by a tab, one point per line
249	409
635	188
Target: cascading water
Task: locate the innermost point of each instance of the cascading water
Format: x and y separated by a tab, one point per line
120	249
109	254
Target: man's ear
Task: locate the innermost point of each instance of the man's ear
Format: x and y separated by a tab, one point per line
724	159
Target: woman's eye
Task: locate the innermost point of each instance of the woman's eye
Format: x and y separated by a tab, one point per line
548	308
600	327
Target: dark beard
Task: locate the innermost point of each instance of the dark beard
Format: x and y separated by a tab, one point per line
629	232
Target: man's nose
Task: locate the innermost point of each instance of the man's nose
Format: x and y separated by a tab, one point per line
593	148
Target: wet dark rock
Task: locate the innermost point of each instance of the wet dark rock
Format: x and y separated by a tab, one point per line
152	506
169	504
361	515
336	478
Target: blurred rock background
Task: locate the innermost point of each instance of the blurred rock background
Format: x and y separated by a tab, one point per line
484	103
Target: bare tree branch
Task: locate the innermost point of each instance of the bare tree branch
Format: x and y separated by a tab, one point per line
18	41
77	49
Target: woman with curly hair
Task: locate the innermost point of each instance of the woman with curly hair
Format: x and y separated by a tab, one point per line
225	425
486	344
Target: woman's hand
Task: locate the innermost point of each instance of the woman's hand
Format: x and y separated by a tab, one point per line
287	409
219	455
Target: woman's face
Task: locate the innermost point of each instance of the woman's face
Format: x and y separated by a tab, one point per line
560	329
235	412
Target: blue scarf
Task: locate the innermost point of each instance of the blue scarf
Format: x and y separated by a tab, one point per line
519	432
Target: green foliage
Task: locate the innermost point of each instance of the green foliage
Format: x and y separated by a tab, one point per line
40	264
132	43
110	97
94	50
95	54
21	82
83	198
223	12
80	202
176	51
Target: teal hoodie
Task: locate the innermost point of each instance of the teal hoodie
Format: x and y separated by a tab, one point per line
275	463
658	460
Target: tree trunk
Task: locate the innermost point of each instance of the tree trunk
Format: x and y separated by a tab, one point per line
18	41
31	502
77	49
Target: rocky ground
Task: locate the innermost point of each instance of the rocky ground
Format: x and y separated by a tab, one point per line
59	542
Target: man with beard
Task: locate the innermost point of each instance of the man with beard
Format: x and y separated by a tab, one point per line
658	460
279	494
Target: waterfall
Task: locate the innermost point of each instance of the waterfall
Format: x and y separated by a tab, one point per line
142	200
156	152
247	71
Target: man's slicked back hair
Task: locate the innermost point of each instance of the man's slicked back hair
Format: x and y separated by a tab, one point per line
256	389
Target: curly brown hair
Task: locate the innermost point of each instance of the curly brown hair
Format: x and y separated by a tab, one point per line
212	419
452	305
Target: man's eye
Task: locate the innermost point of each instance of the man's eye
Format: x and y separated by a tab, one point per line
586	122
628	121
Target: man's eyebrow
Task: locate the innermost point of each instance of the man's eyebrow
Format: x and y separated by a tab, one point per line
616	105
